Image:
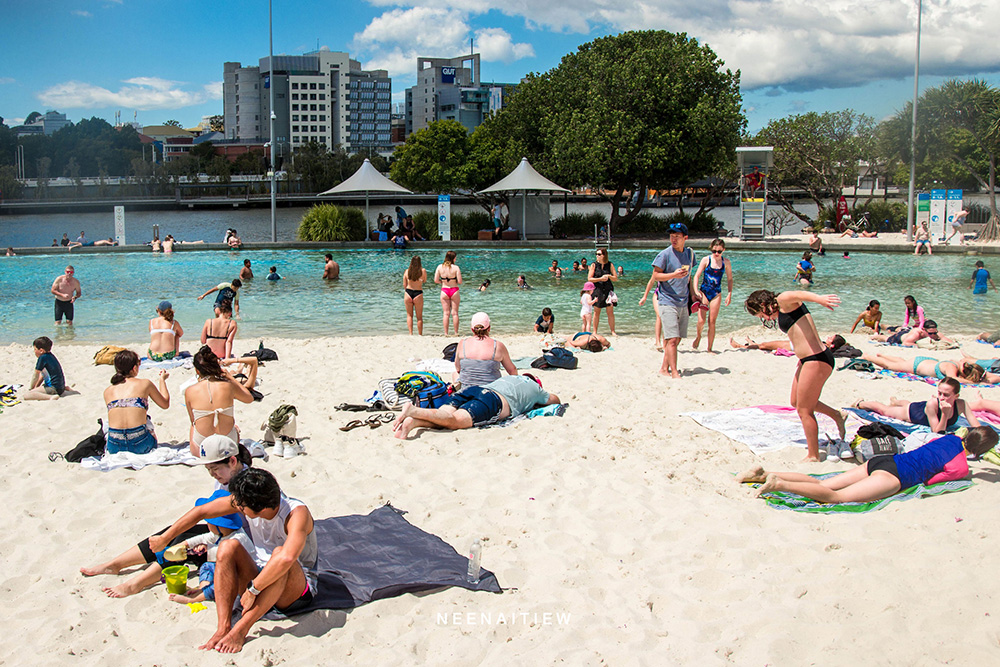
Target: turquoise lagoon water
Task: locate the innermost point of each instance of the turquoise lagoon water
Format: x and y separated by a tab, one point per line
121	291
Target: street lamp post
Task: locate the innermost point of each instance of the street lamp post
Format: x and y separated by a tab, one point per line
270	75
910	213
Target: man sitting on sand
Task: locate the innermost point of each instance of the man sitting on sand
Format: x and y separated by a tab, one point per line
280	574
477	406
940	460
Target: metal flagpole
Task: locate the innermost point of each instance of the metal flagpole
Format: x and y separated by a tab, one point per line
270	74
910	213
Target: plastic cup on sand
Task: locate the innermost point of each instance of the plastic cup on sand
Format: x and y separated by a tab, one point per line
176	577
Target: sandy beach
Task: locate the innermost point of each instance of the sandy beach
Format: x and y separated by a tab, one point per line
618	528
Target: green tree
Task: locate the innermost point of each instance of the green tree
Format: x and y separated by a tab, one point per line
433	159
173	123
10	187
216	124
32	117
817	152
624	113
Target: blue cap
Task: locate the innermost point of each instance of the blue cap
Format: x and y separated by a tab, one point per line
164	305
231	521
680	228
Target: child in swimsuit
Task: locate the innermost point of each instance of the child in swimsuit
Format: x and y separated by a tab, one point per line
587	301
871	316
804	269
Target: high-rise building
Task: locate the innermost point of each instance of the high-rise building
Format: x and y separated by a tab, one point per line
322	97
451	89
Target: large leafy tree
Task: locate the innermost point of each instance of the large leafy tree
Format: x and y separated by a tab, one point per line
624	113
817	152
433	159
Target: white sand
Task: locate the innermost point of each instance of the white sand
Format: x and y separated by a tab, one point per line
622	516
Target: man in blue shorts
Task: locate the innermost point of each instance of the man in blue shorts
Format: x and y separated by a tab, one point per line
509	396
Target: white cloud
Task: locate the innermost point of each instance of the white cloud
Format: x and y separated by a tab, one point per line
144	93
6	79
394	40
80	12
791	44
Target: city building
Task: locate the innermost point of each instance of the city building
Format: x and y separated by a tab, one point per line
451	89
48	124
322	97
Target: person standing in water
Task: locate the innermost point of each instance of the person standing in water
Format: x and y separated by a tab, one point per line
449	277
66	290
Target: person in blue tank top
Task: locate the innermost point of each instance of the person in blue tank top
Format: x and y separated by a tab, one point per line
941	460
708	290
980	279
939	414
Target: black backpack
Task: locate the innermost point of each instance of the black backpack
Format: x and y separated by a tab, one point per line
263	353
557	357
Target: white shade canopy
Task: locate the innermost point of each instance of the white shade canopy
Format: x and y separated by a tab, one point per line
366	179
524	177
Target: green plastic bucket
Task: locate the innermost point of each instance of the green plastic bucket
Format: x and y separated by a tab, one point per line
176	577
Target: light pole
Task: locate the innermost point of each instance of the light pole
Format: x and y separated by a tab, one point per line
270	75
910	213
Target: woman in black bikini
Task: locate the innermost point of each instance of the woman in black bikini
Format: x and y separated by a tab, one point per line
815	358
413	294
220	337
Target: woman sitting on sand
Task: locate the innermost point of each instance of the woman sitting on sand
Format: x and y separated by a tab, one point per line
941	460
871	316
585	340
220	332
210	399
939	415
164	334
225	460
815	358
478	358
129	428
929	367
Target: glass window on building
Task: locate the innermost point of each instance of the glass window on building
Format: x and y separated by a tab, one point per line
312	96
322	116
322	128
312	107
295	117
322	86
312	86
322	107
295	86
295	96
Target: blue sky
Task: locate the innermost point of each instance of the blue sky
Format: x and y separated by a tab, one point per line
163	59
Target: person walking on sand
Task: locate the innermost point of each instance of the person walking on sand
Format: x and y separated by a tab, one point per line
672	272
66	289
815	358
449	277
708	290
413	294
331	270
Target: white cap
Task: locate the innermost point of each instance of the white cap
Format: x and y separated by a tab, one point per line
216	448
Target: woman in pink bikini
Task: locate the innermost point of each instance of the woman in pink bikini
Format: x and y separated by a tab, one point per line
449	277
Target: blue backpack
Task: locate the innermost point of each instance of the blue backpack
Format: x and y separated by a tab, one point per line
424	388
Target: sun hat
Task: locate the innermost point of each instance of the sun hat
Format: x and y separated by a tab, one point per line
165	305
480	319
680	228
216	448
589	285
230	521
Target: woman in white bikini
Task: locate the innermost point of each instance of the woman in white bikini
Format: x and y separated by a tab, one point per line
220	332
449	277
210	399
164	334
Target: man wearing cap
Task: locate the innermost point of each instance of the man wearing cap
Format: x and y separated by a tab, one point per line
230	291
477	406
672	271
280	574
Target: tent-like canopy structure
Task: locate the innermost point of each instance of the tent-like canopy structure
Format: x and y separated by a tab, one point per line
524	178
367	179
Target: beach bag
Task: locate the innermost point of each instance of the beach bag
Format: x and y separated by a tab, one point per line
877	439
91	446
556	357
263	354
424	388
106	355
449	351
859	365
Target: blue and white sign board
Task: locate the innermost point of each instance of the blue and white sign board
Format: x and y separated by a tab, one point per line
923	208
938	204
952	208
447	75
120	224
444	217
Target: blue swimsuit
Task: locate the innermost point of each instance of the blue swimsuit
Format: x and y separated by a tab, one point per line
711	281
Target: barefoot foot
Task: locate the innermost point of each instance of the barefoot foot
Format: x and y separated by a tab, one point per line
755	474
98	569
770	484
122	590
214	640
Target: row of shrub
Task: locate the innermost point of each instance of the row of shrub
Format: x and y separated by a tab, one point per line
644	223
329	222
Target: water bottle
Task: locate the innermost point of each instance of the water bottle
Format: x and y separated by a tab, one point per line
475	553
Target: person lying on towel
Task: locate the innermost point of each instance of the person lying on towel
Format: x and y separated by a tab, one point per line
509	396
941	460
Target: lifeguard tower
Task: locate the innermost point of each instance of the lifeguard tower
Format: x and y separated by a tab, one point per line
755	164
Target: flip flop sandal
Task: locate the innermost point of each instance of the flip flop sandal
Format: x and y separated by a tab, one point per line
55	456
387	418
373	421
351	425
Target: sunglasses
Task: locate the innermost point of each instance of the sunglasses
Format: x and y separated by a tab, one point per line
718	252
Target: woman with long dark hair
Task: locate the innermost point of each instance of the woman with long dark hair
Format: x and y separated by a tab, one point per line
413	294
815	358
449	277
129	428
210	399
602	273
